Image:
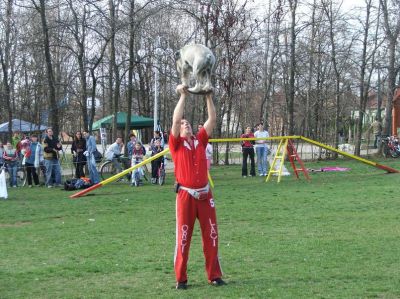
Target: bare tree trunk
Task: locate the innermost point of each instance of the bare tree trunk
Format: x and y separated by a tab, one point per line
293	7
307	123
330	15
52	103
80	36
114	70
5	64
130	69
392	35
271	53
363	85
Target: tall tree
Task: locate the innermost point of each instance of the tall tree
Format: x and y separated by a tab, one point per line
52	104
391	25
364	78
78	29
331	15
5	53
292	68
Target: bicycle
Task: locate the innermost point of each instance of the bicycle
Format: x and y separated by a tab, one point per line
107	169
137	176
390	147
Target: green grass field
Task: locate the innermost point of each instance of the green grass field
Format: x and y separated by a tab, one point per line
337	236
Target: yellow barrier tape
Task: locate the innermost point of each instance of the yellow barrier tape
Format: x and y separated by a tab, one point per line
210	180
251	139
338	151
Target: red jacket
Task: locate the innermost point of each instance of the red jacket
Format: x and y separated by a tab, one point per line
247	143
10	155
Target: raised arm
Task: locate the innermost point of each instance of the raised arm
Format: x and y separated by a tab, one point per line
178	112
209	125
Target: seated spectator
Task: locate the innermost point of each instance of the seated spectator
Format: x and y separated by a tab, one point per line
114	152
131	144
138	154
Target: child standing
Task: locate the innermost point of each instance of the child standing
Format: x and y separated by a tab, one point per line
137	157
10	156
155	164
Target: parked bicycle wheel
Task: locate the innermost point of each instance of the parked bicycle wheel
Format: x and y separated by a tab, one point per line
393	152
136	179
21	177
161	176
107	170
146	172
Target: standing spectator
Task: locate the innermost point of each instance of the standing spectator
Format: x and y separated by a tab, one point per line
16	138
209	154
1	153
157	136
155	164
51	148
77	149
10	156
23	148
114	152
376	128
17	142
248	151
209	149
131	145
261	149
165	137
194	198
90	149
33	156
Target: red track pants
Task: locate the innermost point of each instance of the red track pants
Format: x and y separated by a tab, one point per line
187	210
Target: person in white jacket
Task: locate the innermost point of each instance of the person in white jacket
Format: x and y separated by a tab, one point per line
261	150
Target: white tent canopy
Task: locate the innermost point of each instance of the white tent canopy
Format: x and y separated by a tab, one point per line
21	126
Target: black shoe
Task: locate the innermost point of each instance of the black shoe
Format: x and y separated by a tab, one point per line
181	285
217	282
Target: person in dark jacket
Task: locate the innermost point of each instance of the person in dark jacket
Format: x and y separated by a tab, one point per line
77	149
155	164
51	148
248	151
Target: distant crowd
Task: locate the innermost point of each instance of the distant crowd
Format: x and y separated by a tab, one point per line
34	156
27	152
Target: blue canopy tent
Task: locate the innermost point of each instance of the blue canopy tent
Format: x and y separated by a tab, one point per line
21	126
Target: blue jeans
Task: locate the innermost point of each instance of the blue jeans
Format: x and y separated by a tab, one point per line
93	174
12	171
52	166
117	164
262	160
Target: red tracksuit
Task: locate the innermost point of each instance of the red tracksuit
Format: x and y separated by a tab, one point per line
191	172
